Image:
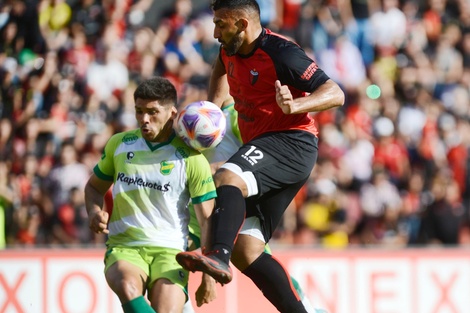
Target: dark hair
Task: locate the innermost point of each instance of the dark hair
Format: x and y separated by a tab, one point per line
156	88
236	4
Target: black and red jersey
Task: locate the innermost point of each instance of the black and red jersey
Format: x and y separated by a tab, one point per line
251	79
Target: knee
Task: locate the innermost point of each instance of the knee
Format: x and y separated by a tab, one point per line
126	289
226	177
243	255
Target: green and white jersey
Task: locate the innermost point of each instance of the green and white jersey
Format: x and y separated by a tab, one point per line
152	188
231	141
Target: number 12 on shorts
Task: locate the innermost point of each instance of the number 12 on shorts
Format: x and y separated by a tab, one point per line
253	155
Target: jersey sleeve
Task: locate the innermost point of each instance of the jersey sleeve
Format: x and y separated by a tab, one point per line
200	182
295	68
104	169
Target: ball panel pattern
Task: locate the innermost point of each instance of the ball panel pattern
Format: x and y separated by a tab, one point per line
201	125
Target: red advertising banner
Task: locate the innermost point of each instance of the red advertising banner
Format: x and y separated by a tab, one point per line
352	281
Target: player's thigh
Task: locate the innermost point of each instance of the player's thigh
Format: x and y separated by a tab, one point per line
271	207
166	276
274	160
165	296
246	250
126	272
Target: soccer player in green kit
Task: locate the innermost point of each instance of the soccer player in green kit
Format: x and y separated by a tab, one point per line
154	175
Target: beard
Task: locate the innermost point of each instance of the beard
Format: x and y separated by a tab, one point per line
232	47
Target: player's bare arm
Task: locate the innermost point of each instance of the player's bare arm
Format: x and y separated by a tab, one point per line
203	213
327	96
206	291
95	190
218	85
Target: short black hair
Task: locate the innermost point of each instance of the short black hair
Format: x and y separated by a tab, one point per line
235	4
156	88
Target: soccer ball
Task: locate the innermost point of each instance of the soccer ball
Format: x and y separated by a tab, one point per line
201	125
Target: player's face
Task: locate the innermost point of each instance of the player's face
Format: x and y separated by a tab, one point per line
155	120
227	32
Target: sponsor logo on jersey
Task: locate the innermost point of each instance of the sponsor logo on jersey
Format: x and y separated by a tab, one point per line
309	71
138	181
182	152
253	76
130	155
166	167
182	275
129	139
207	180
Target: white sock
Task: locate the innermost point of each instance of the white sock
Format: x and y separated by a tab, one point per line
188	307
309	307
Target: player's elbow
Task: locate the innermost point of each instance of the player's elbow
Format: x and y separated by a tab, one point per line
338	97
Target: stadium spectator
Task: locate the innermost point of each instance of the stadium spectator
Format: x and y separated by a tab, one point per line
7	199
381	204
90	15
271	13
54	19
327	24
414	197
355	17
388	28
444	216
390	152
324	215
344	61
65	173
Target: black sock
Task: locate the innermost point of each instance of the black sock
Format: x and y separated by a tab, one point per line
227	219
271	278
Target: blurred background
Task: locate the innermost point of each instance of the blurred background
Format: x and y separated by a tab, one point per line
393	168
393	164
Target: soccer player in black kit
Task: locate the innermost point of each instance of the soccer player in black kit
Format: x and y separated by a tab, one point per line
275	85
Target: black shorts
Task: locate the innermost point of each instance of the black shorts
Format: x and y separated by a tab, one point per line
281	163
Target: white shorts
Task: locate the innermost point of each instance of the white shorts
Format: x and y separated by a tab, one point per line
252	227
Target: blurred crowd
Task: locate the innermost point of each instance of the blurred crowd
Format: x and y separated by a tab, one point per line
393	161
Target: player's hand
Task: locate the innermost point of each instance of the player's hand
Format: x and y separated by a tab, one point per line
284	98
98	222
207	290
